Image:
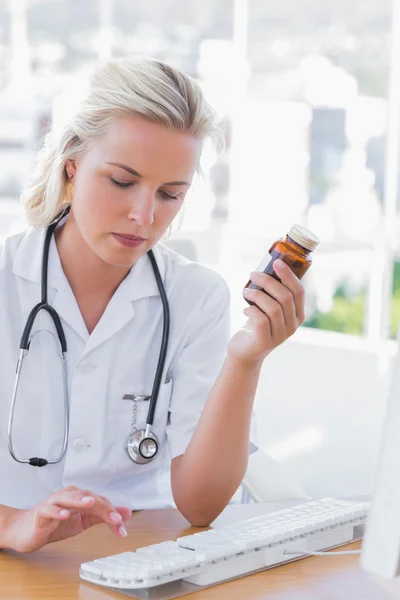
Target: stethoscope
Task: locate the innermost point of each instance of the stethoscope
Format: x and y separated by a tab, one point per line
142	446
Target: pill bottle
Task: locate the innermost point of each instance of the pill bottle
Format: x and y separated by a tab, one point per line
294	249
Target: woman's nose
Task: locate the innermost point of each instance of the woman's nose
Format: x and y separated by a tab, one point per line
142	209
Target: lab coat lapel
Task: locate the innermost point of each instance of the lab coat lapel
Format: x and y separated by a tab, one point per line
64	301
65	304
28	266
118	313
139	283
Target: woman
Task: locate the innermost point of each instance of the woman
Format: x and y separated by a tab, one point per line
123	165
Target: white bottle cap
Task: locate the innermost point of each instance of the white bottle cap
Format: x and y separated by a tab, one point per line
304	237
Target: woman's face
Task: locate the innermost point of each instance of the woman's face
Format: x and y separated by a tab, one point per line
129	186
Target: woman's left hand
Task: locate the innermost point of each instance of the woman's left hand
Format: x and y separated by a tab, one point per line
273	318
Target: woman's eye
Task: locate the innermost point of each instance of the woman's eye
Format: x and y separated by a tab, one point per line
167	196
121	184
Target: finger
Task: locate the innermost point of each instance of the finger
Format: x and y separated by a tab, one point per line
49	512
286	277
125	512
120	531
104	510
110	514
290	280
259	321
272	309
284	296
73	499
79	500
90	520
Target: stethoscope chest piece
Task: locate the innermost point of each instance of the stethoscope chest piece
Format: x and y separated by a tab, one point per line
142	446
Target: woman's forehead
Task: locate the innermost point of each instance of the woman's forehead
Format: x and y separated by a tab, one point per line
147	147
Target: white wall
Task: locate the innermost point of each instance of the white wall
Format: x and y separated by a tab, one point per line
320	406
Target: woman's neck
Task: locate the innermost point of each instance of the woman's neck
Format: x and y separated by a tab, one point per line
93	281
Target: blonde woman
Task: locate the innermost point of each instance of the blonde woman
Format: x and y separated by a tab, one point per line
122	324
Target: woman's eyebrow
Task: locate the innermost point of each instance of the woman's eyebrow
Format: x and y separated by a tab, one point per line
136	174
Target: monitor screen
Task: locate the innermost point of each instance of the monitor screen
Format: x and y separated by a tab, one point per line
381	545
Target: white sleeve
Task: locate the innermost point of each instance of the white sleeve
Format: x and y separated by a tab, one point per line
197	367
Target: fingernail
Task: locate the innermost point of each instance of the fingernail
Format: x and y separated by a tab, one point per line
64	513
116	517
87	499
254	274
247	292
279	263
123	531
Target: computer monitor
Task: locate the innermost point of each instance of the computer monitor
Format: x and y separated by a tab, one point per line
381	545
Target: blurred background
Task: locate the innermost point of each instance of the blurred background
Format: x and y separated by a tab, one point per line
308	97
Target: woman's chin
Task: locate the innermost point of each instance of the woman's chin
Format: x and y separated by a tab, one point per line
125	259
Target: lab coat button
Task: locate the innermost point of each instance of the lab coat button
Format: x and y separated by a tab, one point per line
79	445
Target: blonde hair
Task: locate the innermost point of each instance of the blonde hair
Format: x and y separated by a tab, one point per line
123	87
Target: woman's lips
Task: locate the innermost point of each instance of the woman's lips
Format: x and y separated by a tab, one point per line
129	241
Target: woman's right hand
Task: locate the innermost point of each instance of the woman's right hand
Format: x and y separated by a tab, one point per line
65	514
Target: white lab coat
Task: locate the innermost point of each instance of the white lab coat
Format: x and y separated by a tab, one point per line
118	358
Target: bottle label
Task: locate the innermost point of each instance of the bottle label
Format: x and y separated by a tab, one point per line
264	263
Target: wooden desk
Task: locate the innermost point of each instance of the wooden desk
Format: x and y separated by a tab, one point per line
53	572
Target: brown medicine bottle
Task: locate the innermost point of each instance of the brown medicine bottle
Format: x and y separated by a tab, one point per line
295	250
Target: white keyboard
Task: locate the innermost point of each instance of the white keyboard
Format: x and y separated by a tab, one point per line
223	553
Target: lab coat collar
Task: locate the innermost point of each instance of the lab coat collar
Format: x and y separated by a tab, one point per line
139	283
28	256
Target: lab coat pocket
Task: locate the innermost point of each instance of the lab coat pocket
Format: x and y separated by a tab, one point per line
124	420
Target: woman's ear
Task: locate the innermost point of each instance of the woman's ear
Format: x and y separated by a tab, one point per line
70	168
